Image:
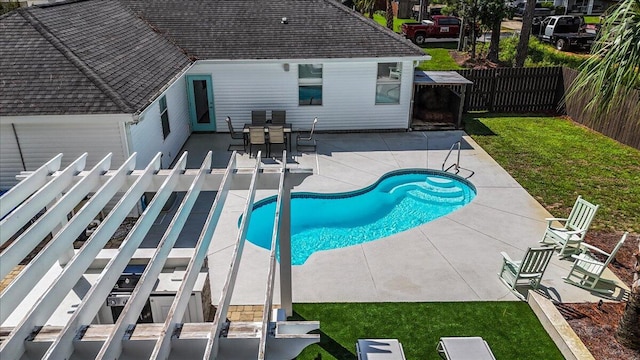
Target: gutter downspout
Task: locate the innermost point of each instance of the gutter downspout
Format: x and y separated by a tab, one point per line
15	134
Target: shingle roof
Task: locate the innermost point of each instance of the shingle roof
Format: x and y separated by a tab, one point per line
101	56
82	57
250	29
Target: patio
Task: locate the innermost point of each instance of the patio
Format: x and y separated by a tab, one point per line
454	258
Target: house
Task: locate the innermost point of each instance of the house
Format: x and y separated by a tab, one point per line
140	76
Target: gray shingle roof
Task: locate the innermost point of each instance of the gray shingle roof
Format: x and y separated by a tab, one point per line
101	56
252	29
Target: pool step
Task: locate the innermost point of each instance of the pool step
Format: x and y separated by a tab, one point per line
440	191
435	199
440	181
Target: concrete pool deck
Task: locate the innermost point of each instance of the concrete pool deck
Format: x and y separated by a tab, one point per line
454	258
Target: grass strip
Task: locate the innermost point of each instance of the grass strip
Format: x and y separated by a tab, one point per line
510	328
556	160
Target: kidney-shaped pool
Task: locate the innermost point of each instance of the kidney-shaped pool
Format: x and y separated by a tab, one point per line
398	201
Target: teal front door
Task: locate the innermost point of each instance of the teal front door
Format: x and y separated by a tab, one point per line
201	109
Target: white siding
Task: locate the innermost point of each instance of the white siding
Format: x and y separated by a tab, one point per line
348	95
42	141
10	163
146	136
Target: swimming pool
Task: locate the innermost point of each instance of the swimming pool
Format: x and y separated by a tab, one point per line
398	201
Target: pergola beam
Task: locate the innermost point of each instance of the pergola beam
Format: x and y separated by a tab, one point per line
80	262
271	273
62	348
219	320
112	348
24	189
28	240
38	201
29	277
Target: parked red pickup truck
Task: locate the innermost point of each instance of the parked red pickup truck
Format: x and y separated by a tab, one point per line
438	26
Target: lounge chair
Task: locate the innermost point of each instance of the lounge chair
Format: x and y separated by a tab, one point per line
379	349
464	348
587	270
528	270
305	140
569	236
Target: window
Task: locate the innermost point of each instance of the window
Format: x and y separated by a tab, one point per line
388	83
310	84
164	117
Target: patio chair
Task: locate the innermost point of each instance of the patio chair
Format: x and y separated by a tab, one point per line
528	270
276	136
569	236
236	136
278	117
305	139
256	137
258	117
587	270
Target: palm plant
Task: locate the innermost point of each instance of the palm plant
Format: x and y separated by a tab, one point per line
612	73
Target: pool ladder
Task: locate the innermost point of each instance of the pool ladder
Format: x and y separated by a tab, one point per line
456	165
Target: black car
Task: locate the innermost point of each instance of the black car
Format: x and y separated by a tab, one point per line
539	10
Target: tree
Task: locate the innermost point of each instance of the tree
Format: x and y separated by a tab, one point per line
365	6
612	72
525	32
389	15
608	77
491	13
628	332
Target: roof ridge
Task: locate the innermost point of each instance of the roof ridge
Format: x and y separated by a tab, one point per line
371	23
100	83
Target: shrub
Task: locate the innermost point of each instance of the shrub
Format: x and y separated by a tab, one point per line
540	54
548	4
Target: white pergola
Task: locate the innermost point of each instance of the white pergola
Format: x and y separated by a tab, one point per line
59	191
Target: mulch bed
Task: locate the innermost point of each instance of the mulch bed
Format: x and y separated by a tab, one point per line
596	324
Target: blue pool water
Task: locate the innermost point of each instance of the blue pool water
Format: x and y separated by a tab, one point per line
398	201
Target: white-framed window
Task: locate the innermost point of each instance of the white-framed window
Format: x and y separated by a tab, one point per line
164	117
388	83
310	84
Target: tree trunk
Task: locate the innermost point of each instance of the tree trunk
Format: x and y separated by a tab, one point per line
523	44
389	15
628	333
494	46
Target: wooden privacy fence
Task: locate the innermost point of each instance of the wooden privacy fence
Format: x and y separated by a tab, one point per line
621	124
514	89
523	90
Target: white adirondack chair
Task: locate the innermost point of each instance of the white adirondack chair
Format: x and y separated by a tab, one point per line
528	271
587	270
571	233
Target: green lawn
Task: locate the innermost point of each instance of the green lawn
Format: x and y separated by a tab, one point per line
440	58
592	19
510	328
396	22
556	160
